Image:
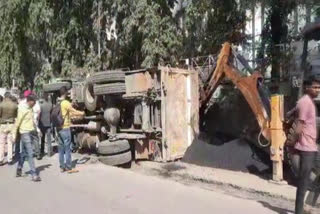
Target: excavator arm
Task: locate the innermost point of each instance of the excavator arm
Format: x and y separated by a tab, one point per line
271	126
247	85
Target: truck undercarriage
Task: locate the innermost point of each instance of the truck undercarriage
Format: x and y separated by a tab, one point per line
149	114
153	114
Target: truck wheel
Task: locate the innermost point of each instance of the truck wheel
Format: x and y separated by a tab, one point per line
116	160
111	148
111	88
54	87
107	77
90	100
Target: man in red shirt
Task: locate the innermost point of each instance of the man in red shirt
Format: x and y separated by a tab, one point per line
306	146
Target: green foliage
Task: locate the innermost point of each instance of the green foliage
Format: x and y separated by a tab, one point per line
152	27
276	32
23	26
225	22
44	39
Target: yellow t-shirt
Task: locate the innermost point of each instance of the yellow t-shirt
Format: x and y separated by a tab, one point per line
24	122
67	112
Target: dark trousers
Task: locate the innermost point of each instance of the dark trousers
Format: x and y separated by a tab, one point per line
46	137
36	143
306	164
17	149
315	187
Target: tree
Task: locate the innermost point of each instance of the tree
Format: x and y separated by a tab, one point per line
209	23
45	39
22	42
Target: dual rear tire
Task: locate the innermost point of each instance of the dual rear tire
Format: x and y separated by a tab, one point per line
115	153
103	83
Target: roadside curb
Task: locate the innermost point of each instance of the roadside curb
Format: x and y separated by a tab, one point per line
243	188
186	173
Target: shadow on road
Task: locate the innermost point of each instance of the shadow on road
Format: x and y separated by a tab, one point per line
83	160
167	170
275	209
40	168
74	163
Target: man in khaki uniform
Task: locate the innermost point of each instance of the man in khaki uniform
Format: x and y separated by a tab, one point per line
8	113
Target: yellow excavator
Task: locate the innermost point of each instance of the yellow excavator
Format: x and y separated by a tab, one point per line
269	113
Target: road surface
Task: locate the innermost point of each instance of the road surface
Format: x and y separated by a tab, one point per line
101	189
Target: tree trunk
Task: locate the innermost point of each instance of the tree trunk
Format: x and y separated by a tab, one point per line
305	48
276	33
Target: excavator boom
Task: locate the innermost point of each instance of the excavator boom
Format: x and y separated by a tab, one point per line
249	87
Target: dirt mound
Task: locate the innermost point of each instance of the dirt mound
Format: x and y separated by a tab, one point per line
235	155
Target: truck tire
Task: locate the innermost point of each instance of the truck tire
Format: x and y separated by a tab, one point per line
54	87
90	100
107	77
111	148
111	88
116	160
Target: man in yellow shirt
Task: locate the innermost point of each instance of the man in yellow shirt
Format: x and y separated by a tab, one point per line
64	133
25	126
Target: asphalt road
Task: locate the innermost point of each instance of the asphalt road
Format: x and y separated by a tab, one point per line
101	189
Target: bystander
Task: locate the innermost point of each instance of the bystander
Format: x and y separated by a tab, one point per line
25	127
8	113
306	146
45	124
64	132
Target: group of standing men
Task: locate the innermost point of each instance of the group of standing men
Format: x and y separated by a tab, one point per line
24	123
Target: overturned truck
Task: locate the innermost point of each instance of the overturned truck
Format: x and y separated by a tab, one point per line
149	114
153	114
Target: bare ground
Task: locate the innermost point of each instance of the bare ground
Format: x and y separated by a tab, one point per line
277	203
